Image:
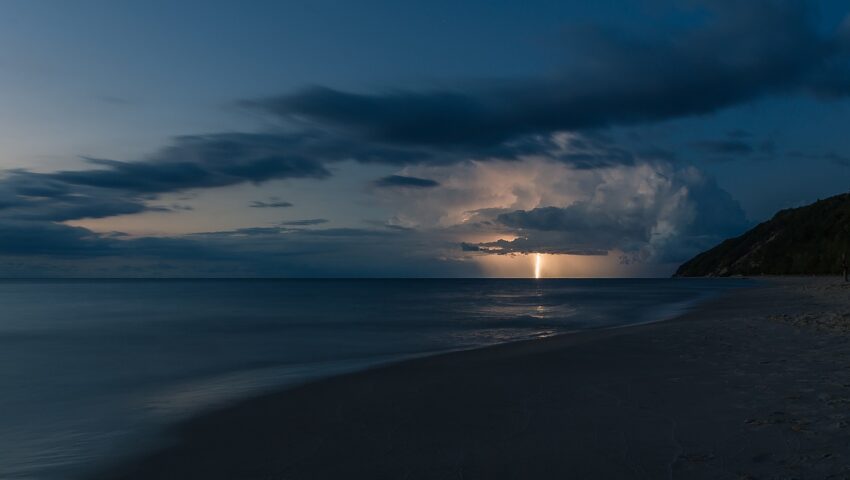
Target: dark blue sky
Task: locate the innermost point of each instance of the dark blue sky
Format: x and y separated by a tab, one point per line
400	138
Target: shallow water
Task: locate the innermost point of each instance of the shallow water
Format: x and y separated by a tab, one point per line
90	368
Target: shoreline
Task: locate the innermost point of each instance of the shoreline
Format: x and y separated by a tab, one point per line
348	423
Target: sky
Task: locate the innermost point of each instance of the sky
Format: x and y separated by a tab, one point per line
410	139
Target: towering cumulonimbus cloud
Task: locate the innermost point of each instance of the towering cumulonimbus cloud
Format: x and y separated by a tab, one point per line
652	210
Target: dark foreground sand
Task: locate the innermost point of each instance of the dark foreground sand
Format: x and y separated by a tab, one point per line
752	385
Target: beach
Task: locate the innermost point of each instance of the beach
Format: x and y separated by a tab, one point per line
753	384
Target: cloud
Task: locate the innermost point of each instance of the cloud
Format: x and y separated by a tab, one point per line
652	210
305	222
247	231
741	52
405	182
470	247
114	187
197	162
38	197
270	204
554	245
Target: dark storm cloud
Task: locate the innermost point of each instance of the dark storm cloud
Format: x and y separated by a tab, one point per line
744	51
246	231
406	182
36	196
113	187
470	247
352	232
305	222
577	228
270	204
553	245
198	162
579	216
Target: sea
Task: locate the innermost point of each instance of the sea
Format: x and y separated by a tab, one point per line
91	370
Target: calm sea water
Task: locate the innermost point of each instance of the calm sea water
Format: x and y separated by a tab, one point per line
91	369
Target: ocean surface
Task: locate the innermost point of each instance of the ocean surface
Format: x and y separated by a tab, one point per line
94	369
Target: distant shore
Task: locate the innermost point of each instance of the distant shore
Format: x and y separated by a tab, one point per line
755	384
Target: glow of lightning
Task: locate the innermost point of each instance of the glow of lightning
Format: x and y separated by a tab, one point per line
537	261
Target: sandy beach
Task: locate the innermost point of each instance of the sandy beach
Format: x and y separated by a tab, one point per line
754	384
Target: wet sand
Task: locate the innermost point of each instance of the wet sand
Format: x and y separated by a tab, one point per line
755	384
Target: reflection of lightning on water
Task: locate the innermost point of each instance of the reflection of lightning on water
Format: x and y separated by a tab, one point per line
537	261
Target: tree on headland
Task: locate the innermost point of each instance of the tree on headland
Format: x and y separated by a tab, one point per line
809	240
